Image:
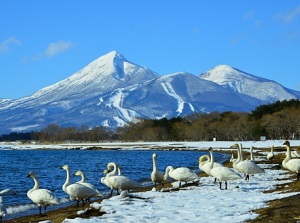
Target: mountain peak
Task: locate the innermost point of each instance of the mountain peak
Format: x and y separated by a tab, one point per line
223	67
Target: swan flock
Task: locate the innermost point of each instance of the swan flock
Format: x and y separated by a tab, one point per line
82	191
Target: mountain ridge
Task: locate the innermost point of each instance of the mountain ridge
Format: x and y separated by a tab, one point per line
112	91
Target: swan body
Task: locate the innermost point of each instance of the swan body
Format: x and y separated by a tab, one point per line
77	191
222	173
181	174
120	182
245	166
270	155
156	175
8	192
83	182
289	163
41	197
3	211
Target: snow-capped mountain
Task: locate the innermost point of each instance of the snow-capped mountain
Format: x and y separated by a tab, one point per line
111	91
244	83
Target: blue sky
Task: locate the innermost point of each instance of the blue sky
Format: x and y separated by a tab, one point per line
43	42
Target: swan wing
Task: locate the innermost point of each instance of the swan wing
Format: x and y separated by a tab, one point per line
223	173
43	197
3	210
248	167
157	176
293	165
183	174
124	183
8	192
93	188
80	191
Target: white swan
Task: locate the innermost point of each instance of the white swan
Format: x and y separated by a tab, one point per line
105	181
83	182
41	197
3	211
270	155
8	192
77	191
181	174
289	163
156	175
245	166
205	166
222	173
120	182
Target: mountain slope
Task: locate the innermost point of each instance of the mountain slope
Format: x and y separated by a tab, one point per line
244	83
112	91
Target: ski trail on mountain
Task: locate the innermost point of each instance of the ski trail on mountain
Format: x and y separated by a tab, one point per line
116	101
170	91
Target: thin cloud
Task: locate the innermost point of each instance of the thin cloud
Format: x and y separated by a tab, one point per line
52	50
289	16
249	15
196	30
257	23
6	45
57	48
238	38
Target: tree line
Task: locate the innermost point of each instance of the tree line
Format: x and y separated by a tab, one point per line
279	120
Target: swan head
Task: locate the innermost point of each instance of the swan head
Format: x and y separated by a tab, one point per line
234	146
210	149
65	167
154	155
78	173
106	171
286	143
31	174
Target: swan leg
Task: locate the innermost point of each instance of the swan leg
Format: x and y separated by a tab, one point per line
298	176
215	180
225	185
247	177
220	185
40	208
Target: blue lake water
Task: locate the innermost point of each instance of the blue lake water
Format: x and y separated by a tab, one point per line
135	164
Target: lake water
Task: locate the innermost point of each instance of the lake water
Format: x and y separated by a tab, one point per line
135	164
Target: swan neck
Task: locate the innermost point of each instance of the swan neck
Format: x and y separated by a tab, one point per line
288	153
238	159
82	177
251	153
114	170
154	163
212	160
36	183
241	152
67	182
